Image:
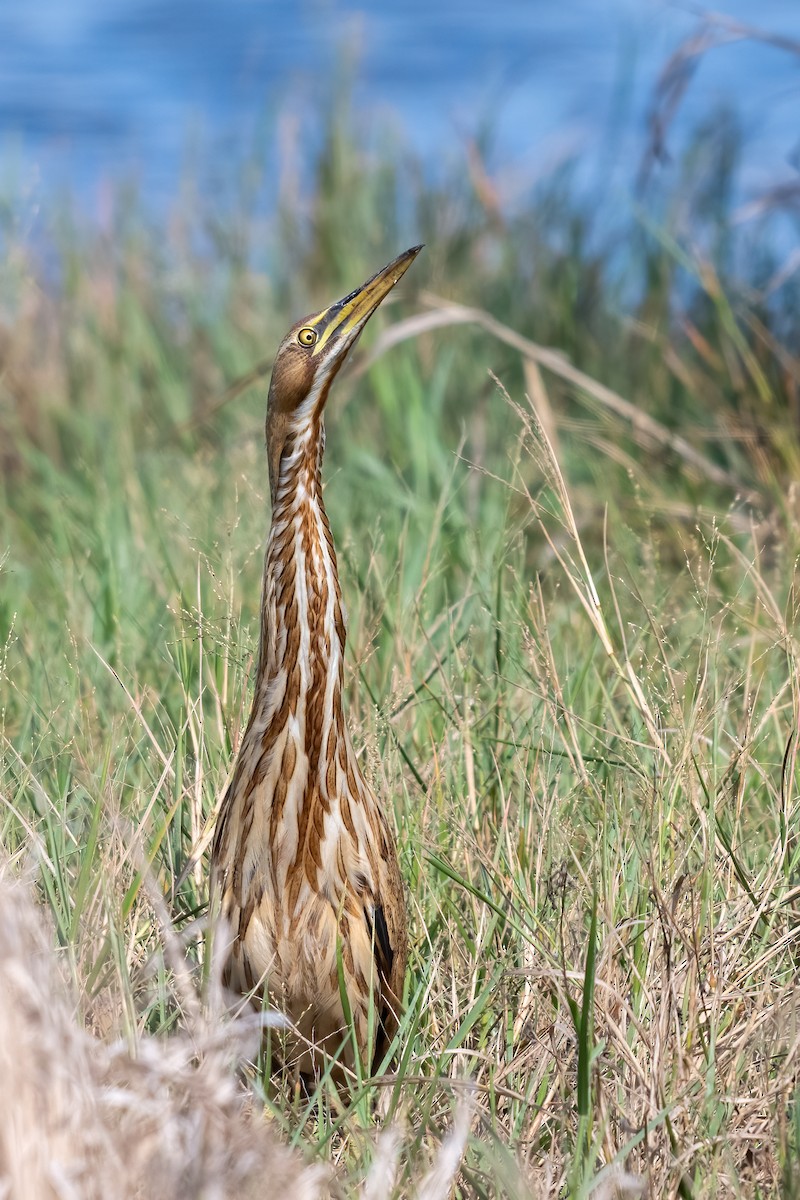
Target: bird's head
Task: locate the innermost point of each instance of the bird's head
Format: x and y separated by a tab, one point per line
311	354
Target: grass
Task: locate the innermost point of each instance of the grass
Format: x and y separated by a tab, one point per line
565	503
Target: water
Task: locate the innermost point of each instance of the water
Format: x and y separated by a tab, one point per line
91	90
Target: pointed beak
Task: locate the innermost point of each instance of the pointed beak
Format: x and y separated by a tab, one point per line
341	324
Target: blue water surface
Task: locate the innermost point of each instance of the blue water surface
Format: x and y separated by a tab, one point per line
97	90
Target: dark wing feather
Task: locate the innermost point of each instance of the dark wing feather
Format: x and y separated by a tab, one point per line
383	946
384	959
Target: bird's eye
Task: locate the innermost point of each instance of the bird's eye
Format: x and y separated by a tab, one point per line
306	337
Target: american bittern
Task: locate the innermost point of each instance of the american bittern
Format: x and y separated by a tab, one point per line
304	860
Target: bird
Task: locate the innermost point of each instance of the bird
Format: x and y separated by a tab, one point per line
304	867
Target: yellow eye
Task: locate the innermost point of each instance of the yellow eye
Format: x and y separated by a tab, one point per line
306	337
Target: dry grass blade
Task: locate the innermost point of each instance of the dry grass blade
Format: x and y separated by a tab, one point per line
672	85
781	196
576	566
383	1170
740	29
438	1182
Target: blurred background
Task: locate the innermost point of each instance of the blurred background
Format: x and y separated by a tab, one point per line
143	91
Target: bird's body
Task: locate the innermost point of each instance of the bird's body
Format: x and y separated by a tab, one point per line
304	859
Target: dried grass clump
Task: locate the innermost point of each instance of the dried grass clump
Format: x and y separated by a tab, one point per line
79	1118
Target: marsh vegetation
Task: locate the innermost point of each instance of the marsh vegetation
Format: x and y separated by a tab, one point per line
563	480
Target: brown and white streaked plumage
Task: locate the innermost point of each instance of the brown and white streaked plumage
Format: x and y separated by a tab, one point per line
304	858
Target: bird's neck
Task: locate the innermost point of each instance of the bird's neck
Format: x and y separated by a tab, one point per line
302	620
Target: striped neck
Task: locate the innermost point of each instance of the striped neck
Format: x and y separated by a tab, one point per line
302	621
